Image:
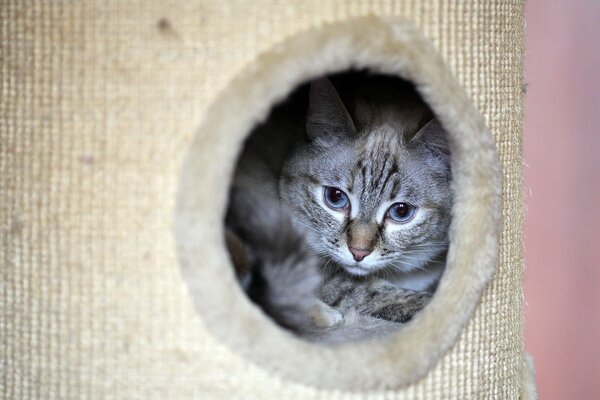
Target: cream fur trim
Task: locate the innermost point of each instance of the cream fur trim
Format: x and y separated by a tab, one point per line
385	46
528	388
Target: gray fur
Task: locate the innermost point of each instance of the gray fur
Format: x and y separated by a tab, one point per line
284	276
388	149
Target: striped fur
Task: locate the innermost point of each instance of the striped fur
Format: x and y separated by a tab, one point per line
382	149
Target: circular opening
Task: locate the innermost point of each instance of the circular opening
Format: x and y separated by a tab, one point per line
390	48
338	219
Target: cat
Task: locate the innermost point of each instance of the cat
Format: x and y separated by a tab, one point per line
342	221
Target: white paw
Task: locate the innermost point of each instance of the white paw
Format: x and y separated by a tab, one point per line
324	316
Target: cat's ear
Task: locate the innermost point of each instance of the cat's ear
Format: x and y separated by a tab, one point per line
433	137
327	119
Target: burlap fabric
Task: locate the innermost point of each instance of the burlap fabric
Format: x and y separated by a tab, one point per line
99	102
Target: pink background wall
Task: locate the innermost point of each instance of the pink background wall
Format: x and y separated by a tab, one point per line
562	187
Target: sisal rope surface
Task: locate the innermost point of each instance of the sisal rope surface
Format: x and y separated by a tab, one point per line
98	103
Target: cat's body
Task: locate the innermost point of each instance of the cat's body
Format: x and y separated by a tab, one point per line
284	276
365	197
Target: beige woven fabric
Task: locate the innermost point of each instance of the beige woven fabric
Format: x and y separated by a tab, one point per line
99	101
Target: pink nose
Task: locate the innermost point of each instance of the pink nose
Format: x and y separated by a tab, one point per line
359	255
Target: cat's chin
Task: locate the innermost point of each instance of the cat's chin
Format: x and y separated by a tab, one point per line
357	270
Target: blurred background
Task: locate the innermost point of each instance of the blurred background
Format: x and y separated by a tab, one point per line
562	196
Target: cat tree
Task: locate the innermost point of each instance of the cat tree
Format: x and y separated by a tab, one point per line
120	124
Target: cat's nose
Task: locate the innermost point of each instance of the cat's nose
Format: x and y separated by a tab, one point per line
359	255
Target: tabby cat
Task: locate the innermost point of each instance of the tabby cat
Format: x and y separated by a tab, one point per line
338	220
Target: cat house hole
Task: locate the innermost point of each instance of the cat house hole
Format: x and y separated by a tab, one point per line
356	134
340	206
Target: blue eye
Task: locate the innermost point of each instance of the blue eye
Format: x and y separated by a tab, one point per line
401	212
335	198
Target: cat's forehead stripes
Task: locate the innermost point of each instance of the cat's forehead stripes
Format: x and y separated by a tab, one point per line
388	171
373	182
377	165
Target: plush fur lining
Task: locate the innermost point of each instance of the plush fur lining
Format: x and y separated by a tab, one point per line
528	388
384	46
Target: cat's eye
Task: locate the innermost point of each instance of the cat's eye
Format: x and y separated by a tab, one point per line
401	212
335	198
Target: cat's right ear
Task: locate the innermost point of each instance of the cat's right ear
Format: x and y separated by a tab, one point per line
327	119
434	138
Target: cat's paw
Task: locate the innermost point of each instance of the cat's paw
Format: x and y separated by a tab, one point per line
403	309
324	316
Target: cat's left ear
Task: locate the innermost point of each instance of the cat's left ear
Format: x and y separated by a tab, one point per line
433	137
328	119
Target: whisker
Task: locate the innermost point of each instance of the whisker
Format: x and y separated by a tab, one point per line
398	268
411	266
416	258
307	226
428	246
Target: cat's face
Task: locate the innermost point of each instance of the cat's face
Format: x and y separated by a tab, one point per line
369	200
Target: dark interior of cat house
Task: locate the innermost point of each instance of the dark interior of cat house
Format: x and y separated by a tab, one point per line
340	205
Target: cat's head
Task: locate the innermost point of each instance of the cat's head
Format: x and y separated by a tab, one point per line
372	192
